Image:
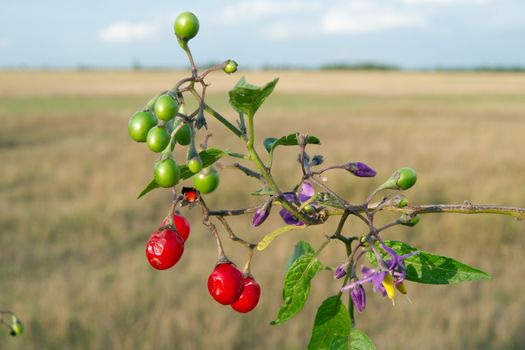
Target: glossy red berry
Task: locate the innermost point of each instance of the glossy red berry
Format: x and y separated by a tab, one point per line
164	249
226	283
249	297
181	224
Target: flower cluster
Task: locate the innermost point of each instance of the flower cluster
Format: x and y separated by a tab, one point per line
386	278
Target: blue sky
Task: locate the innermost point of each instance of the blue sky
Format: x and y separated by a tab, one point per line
409	33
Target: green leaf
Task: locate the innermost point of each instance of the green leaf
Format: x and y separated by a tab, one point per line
263	192
360	341
297	286
430	268
331	327
301	248
149	187
265	242
208	156
247	98
329	200
290	140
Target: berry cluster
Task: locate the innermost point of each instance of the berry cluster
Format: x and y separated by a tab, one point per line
162	124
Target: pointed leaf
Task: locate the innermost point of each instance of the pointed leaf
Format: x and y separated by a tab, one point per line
301	248
331	327
263	192
290	140
297	286
360	341
208	156
149	187
265	242
247	98
430	268
328	199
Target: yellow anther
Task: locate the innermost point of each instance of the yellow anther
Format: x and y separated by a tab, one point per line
388	283
401	288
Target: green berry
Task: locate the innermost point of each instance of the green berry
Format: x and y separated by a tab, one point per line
206	181
230	67
166	173
139	124
195	165
408	220
166	107
183	135
186	25
158	139
406	178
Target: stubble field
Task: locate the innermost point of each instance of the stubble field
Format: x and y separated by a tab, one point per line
72	234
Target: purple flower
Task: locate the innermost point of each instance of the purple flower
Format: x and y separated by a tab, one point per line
340	271
396	264
307	191
260	215
360	169
358	295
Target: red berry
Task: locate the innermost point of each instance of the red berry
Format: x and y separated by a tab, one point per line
249	297
164	249
181	224
226	283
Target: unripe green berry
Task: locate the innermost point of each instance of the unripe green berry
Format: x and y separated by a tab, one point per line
166	173
186	26
140	124
408	220
230	67
406	178
195	164
158	139
166	107
183	135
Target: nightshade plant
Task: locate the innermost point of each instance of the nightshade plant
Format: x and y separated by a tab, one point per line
372	263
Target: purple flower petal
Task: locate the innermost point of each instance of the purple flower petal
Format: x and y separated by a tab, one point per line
307	192
289	218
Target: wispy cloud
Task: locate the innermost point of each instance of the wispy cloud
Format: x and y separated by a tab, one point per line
128	32
262	9
446	2
366	16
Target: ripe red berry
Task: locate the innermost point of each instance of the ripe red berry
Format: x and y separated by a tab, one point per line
249	297
226	283
164	249
181	224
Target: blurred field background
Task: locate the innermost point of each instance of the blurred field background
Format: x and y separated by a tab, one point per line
72	233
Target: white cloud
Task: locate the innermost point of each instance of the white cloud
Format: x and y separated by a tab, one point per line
261	9
128	32
446	2
365	16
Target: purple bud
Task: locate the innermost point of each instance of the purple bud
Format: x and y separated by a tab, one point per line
360	169
260	215
340	271
358	295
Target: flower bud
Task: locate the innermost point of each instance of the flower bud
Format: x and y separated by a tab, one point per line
358	296
360	169
16	326
262	213
340	271
260	216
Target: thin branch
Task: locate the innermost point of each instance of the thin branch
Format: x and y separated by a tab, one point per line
233	236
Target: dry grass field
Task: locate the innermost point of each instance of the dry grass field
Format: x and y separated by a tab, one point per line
72	234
